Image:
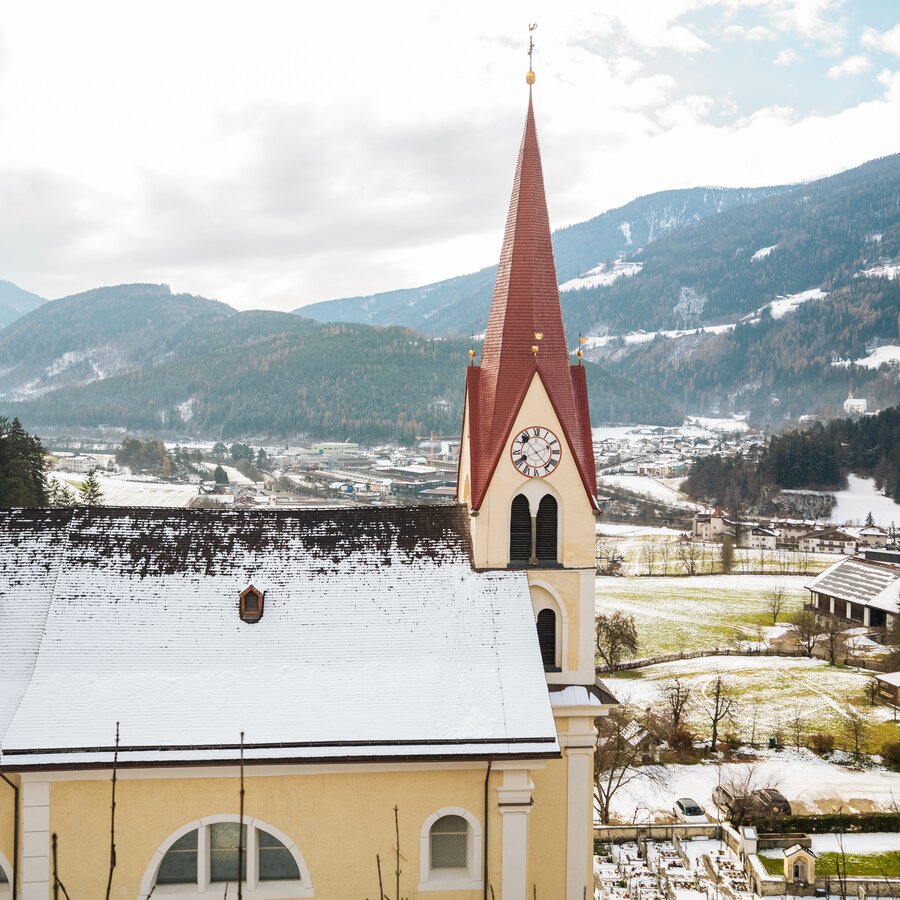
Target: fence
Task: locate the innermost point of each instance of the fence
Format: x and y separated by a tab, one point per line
696	654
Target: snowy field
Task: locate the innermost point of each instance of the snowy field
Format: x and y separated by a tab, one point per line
859	499
704	612
121	492
652	488
771	692
809	783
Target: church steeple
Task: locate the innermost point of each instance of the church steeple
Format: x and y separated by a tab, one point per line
525	334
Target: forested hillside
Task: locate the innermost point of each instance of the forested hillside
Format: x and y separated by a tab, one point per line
817	235
817	458
227	374
459	306
796	364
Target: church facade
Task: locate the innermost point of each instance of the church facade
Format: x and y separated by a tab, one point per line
381	690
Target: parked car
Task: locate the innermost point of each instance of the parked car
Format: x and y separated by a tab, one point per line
689	812
768	802
737	806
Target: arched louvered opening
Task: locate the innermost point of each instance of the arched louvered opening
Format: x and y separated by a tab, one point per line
520	530
545	543
546	629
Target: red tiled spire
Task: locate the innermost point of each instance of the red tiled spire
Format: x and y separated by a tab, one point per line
526	303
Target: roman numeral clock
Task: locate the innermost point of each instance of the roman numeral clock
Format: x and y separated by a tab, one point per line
535	452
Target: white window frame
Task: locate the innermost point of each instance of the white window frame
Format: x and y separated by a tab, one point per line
253	888
461	879
6	889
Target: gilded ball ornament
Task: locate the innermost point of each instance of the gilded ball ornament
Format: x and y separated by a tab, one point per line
530	77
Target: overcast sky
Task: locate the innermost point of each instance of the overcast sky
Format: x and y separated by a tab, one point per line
277	153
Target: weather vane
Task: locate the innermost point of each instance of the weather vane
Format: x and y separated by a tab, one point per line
530	76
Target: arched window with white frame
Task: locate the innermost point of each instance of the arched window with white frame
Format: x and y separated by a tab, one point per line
450	848
208	852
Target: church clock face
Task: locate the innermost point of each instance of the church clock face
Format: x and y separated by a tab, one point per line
536	451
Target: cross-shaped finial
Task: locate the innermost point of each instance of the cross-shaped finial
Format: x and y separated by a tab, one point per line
530	76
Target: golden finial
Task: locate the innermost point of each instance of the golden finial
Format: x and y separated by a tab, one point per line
579	352
530	77
472	356
534	349
539	335
582	340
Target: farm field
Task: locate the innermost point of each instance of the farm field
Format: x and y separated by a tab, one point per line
704	612
654	551
772	693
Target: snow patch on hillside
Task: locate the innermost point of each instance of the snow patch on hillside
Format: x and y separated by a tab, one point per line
690	303
784	304
625	228
763	252
602	275
889	269
890	353
644	337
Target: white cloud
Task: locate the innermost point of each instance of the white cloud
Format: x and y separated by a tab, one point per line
756	33
300	154
852	65
887	41
786	57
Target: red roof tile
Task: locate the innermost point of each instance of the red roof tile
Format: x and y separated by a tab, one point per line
526	303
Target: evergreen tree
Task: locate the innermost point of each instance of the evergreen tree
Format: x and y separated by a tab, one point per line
90	492
23	479
59	494
261	458
220	476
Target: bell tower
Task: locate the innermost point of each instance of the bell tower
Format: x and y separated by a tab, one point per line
526	469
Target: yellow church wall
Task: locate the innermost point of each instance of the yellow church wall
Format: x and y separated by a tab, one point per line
490	529
338	821
547	831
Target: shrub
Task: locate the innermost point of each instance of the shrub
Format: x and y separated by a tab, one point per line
891	755
821	743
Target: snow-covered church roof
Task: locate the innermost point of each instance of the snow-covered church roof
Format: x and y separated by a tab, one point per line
377	639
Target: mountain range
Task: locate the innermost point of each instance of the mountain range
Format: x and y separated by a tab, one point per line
774	301
459	306
140	358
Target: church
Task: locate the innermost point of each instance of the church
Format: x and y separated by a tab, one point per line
390	697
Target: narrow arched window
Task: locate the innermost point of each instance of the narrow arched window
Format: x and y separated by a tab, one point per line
546	629
450	843
520	530
546	537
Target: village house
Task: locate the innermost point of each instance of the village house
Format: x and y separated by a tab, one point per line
762	538
888	686
282	689
829	540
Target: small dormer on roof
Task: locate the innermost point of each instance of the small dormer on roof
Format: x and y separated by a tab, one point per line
250	604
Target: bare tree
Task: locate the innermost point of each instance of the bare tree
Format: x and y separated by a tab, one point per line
775	599
648	556
736	786
721	704
615	635
835	639
618	757
797	726
754	721
726	554
807	631
688	554
856	732
676	698
609	559
664	557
